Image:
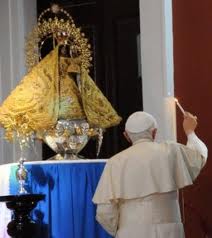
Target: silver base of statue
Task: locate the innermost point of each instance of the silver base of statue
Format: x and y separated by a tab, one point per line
69	137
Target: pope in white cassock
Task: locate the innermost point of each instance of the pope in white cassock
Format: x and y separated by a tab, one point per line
137	195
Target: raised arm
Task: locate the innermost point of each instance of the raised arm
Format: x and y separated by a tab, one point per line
189	126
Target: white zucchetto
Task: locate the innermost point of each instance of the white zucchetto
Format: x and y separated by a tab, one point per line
140	121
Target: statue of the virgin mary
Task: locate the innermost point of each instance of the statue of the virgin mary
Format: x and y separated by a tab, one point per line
57	100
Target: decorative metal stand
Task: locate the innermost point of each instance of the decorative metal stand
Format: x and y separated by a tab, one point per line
21	176
22	225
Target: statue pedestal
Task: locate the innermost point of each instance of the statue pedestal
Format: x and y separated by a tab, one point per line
22	225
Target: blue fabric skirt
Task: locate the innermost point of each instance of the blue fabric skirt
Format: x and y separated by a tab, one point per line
67	211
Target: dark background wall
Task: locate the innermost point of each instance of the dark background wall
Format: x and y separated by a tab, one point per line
193	86
112	28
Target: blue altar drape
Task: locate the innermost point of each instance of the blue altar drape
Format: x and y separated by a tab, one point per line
68	211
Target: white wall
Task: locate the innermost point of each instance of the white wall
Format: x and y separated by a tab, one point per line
16	19
157	64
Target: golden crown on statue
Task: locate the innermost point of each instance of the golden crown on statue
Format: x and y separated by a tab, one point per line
57	24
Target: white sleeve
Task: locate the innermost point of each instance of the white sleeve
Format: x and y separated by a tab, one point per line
108	216
196	144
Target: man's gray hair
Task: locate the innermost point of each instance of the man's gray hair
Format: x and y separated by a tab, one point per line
140	125
139	122
141	135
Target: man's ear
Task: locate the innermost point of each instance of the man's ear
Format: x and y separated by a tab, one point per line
154	132
127	137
